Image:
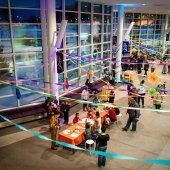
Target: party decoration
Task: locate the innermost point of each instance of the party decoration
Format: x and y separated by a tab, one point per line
152	90
90	73
153	78
163	162
66	83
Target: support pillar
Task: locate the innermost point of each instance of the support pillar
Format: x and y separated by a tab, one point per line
51	20
119	42
44	45
165	31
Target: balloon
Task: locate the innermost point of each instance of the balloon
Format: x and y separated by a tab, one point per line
90	73
152	90
153	78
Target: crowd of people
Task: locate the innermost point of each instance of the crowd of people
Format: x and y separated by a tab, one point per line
97	130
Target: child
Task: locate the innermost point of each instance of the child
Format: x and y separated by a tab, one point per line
76	118
88	131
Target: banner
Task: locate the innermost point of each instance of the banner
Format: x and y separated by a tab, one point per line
60	63
125	48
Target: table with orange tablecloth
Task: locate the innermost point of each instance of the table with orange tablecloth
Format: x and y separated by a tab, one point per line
75	134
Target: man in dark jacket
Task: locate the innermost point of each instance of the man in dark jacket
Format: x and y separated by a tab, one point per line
101	143
133	115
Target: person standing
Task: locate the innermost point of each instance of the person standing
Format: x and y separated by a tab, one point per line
85	97
66	110
133	115
101	143
157	100
146	68
141	92
54	126
153	65
112	97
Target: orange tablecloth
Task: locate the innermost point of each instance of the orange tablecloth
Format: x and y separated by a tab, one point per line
81	136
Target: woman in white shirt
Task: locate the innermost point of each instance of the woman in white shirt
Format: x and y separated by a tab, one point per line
141	92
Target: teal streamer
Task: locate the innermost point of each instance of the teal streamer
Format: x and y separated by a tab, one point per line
106	154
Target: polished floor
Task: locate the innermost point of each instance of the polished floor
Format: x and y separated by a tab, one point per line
21	151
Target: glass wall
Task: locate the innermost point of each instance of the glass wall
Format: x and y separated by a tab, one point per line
147	32
20	52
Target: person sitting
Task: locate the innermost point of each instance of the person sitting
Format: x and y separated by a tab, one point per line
117	110
90	115
106	122
87	130
112	114
76	118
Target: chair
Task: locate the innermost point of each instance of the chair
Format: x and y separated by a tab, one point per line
90	142
119	118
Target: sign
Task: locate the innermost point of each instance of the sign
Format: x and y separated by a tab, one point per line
125	48
60	63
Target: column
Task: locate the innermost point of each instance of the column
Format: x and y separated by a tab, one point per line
51	21
44	45
165	31
119	42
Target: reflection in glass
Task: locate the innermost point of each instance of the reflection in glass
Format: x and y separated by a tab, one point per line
25	16
71	5
85	18
97	38
71	64
85	50
6	61
97	19
107	28
28	98
25	3
97	48
85	39
26	31
85	60
106	37
85	7
58	4
85	28
61	78
4	16
107	19
58	17
97	8
73	84
28	59
72	74
71	41
72	29
30	75
8	101
3	3
97	29
106	54
107	9
106	47
5	46
4	31
72	52
26	45
72	17
84	70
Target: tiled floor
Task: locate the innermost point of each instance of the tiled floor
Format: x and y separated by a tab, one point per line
20	151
